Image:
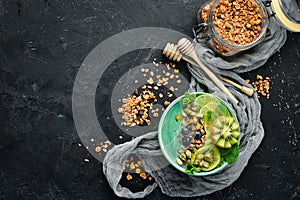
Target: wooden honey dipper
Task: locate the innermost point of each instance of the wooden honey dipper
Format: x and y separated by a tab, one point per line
172	52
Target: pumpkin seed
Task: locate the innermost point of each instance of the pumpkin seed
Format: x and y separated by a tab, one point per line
204	164
188	153
200	157
208	159
180	151
196	162
182	156
179	162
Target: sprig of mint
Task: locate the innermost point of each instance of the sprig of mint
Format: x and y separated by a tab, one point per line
190	168
188	98
230	155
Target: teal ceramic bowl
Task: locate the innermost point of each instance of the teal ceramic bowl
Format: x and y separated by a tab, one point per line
169	129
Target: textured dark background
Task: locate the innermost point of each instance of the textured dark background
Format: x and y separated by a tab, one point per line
42	44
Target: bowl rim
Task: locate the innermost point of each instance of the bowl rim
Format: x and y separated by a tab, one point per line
171	161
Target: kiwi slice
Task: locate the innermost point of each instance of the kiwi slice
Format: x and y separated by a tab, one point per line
224	132
210	112
215	158
203	99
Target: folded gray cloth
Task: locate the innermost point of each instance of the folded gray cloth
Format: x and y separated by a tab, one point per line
146	147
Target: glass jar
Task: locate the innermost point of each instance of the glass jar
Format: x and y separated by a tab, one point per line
230	28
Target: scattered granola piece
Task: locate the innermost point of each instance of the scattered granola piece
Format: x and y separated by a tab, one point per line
155	114
137	170
129	177
150	81
120	137
86	160
178	81
139	163
259	77
143	175
166	103
98	149
132	166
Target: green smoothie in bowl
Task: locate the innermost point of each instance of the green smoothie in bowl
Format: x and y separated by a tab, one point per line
199	134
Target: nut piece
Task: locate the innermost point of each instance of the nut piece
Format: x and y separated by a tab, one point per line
128	177
166	103
150	81
98	149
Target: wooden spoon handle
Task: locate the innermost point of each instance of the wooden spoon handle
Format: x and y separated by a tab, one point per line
212	76
248	91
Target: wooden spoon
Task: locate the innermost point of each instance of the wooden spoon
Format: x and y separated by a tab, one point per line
187	49
172	52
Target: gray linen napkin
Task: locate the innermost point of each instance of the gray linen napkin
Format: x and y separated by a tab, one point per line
146	147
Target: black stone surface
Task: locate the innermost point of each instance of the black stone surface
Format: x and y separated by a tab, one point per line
42	45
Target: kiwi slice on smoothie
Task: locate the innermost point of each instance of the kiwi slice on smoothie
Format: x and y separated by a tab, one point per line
210	112
214	158
207	157
204	99
224	132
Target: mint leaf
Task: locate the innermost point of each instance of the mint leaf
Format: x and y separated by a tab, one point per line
225	152
193	97
190	168
230	155
188	98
